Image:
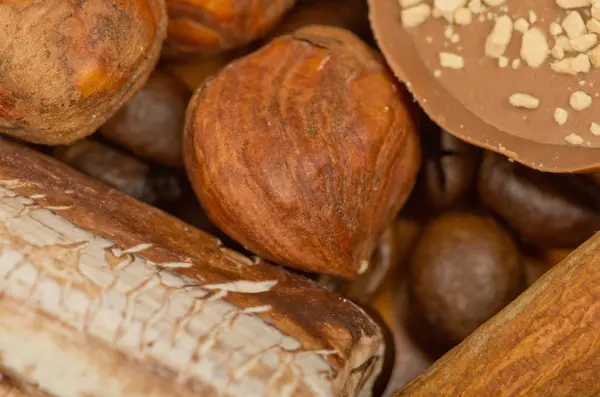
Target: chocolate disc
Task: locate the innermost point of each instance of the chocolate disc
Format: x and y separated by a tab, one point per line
518	77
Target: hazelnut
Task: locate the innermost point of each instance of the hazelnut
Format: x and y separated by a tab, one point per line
122	172
150	124
303	151
464	269
209	26
547	210
194	70
67	66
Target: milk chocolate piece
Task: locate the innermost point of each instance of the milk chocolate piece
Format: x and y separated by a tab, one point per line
492	100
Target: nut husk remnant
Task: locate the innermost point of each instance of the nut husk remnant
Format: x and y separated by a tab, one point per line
150	125
304	150
208	26
465	268
67	66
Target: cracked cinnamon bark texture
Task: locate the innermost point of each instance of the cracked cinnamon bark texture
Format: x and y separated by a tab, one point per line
105	296
545	343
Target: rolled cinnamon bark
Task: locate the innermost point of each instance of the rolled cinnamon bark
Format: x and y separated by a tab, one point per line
104	296
545	343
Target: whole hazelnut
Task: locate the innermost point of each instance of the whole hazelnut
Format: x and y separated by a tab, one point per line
464	269
303	151
67	66
150	124
208	26
547	210
122	172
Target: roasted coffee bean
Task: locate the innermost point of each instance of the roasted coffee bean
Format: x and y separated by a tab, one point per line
128	174
465	268
547	210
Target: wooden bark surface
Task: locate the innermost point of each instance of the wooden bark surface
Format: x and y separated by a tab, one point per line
545	343
103	296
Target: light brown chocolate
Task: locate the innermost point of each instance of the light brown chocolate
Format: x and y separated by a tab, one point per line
473	102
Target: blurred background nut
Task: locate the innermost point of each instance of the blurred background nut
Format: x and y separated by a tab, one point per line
313	155
150	124
67	66
548	210
352	15
447	173
125	173
464	269
210	26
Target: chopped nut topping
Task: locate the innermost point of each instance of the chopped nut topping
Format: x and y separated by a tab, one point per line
593	25
563	42
560	116
521	25
463	16
580	100
449	5
583	42
516	63
574	139
475	6
595	129
450	60
416	15
568	4
498	40
594	56
532	17
503	61
555	29
558	52
573	25
534	47
524	101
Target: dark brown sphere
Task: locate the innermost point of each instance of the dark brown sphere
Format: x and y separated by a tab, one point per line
66	66
465	268
150	124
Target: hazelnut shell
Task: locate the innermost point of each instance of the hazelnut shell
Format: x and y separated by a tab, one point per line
67	66
304	150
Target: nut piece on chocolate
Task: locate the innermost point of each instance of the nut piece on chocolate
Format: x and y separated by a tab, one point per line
518	77
304	150
150	124
547	210
465	268
67	66
210	26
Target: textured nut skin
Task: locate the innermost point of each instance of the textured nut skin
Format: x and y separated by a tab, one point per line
209	26
122	172
304	150
150	124
68	65
465	268
548	210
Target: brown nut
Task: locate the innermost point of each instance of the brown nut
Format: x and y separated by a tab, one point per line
122	172
67	66
548	210
465	268
210	26
313	153
352	15
150	124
